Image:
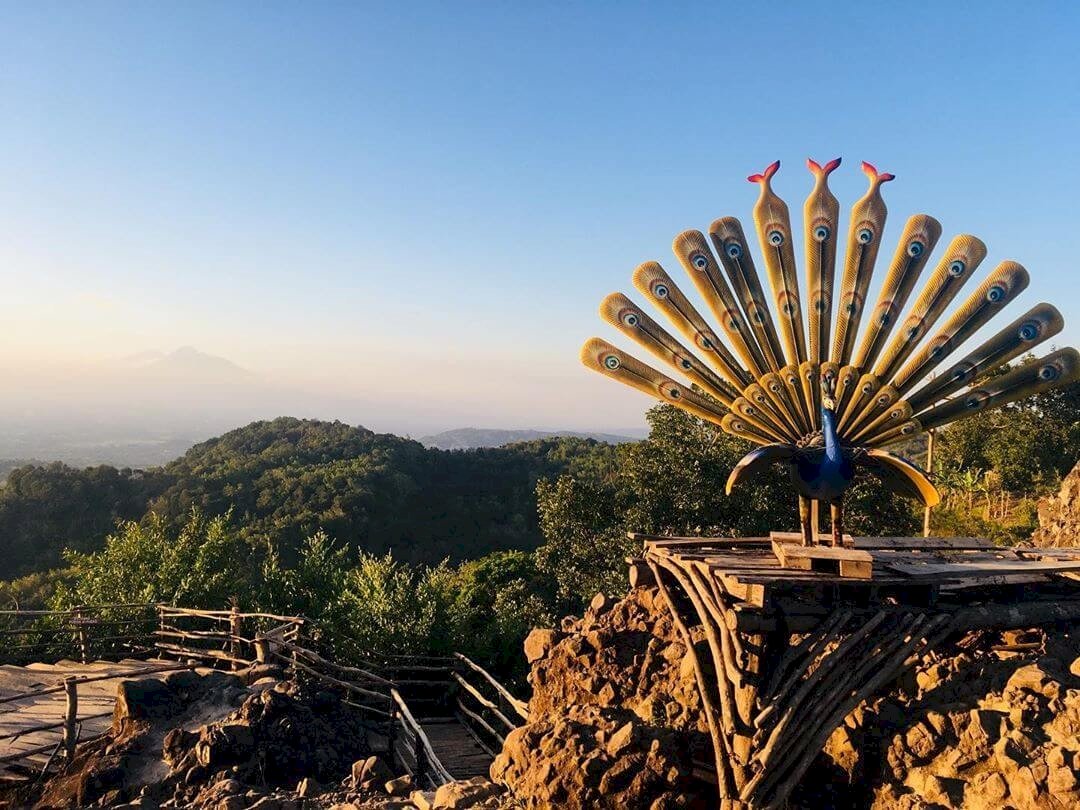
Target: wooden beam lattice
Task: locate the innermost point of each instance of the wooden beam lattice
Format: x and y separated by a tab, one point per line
778	674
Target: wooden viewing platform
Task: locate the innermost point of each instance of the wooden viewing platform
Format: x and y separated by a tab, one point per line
798	636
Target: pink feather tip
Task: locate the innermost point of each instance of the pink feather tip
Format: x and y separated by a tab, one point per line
770	170
872	173
820	170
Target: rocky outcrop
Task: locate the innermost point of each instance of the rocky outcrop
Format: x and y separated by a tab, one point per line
615	721
1059	515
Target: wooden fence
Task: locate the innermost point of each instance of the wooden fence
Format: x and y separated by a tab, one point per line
488	717
388	690
82	633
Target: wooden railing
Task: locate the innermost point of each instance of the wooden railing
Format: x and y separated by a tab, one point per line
83	633
488	717
443	686
411	748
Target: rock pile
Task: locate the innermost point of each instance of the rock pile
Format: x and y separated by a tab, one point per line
982	728
1059	515
614	719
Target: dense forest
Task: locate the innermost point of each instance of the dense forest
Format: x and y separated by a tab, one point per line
403	548
286	479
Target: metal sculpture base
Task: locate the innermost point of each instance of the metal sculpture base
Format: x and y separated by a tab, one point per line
796	641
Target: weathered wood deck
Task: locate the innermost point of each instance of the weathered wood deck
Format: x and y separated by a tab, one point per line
95	703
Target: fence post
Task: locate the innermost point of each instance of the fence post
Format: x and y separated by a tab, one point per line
235	625
71	712
421	761
262	649
161	626
80	633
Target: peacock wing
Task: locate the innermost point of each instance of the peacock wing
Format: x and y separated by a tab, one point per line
899	476
757	461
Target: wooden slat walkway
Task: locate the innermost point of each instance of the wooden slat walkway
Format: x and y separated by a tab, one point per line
456	748
95	698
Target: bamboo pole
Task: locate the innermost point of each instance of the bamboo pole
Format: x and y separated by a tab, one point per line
71	712
720	747
929	469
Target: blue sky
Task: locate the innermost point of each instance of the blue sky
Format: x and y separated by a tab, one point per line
428	202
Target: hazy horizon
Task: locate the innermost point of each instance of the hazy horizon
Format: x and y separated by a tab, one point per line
405	218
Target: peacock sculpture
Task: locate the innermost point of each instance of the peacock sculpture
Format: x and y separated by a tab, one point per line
811	393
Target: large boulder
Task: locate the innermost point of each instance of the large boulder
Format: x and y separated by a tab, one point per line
1059	515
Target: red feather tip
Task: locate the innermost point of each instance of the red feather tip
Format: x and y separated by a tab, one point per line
832	165
872	173
770	170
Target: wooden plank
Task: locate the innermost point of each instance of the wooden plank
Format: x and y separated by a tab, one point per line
924	543
668	541
822	539
849	563
982	569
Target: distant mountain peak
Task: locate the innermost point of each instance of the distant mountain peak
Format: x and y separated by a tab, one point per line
187	365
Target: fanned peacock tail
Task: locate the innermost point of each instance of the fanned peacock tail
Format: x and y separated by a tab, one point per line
761	370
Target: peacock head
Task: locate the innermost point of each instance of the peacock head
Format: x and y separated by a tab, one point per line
828	403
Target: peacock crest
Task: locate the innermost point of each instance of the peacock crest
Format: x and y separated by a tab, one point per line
795	377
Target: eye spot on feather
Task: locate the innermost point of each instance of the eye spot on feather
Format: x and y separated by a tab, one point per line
1029	330
868	389
956	268
660	291
685	364
1048	373
821	233
631	319
775	237
864	236
674	393
734	250
612	362
699	261
915	249
995	294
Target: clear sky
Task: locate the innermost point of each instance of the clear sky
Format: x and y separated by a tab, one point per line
425	202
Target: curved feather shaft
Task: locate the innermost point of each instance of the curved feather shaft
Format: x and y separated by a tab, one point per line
865	391
656	285
632	321
956	266
864	239
756	395
1054	370
793	383
696	257
847	383
773	224
821	224
896	435
894	416
730	243
737	426
599	355
1006	282
885	397
1038	324
920	236
777	392
744	408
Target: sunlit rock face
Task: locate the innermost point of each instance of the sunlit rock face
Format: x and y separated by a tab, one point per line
1059	515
